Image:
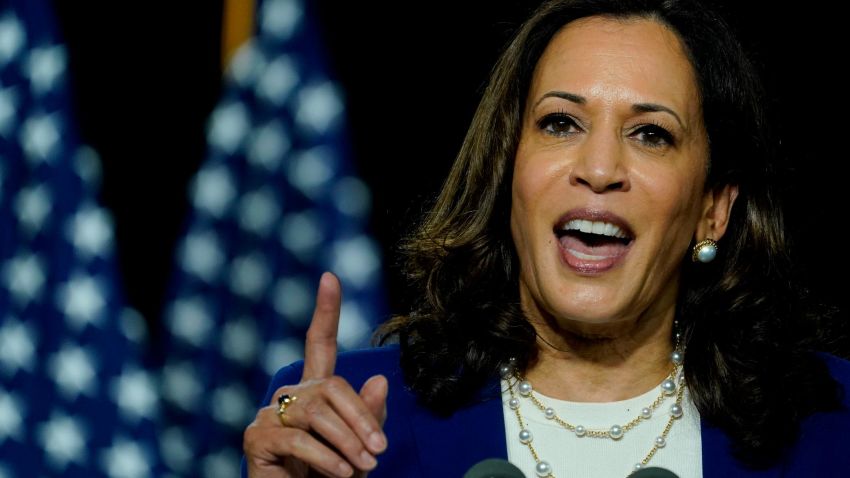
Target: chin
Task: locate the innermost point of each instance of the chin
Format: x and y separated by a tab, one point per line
593	300
576	313
589	318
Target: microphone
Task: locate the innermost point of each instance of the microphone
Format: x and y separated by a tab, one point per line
653	472
494	468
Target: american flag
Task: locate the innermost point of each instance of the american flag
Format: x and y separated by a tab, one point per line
275	204
75	398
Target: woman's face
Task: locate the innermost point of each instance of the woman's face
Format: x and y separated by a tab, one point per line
608	187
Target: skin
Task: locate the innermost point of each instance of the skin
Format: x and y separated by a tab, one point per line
326	408
604	336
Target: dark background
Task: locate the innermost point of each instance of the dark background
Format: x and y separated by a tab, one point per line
146	75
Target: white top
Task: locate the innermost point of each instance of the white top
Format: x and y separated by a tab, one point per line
573	457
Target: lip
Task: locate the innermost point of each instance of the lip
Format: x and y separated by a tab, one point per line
587	266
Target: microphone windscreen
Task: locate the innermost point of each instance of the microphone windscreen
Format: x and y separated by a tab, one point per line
493	468
653	472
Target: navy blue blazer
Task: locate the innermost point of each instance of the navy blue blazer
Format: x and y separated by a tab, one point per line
423	445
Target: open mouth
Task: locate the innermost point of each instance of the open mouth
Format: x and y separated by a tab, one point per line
593	240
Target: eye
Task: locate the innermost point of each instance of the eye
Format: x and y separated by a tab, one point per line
654	136
558	124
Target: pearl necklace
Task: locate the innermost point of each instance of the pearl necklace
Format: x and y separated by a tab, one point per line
615	432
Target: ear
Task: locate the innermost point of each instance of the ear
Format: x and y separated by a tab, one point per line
716	210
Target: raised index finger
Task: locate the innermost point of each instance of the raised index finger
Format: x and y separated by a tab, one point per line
320	346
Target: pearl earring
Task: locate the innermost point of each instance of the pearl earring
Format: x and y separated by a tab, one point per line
705	251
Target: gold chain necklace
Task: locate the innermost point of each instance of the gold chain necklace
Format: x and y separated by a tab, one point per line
543	468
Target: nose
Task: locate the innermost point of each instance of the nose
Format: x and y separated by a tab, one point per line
600	165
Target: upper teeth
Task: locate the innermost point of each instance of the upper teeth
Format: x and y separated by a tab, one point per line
594	227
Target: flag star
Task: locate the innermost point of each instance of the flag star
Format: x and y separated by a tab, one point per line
318	107
202	255
32	205
214	190
177	449
356	260
64	441
246	64
39	137
24	276
351	197
8	110
232	406
12	38
223	464
82	300
229	127
17	346
180	385
282	353
293	300
250	276
126	459
73	370
258	211
353	327
87	166
310	170
278	80
301	233
280	18
240	341
44	66
90	230
11	421
136	394
268	145
190	321
133	325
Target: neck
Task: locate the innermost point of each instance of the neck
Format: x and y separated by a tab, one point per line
601	363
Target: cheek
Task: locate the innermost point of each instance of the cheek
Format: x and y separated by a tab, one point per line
675	199
674	192
521	196
535	181
529	192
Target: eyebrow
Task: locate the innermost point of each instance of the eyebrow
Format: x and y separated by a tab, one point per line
653	108
563	95
637	108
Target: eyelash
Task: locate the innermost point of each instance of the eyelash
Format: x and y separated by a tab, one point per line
564	120
659	132
545	123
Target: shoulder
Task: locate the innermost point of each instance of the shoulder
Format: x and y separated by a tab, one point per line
839	368
823	442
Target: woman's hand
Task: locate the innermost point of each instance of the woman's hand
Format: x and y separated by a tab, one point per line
329	428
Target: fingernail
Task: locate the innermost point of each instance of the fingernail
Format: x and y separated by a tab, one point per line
345	469
377	442
368	460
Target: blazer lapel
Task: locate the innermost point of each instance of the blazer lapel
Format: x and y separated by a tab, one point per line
449	446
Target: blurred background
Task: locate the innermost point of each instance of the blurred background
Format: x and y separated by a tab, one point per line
205	152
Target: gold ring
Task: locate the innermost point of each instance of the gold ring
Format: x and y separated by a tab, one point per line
284	401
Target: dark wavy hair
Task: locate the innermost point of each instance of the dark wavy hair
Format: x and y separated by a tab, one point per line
749	365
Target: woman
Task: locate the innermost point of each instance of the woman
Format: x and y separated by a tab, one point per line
574	253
